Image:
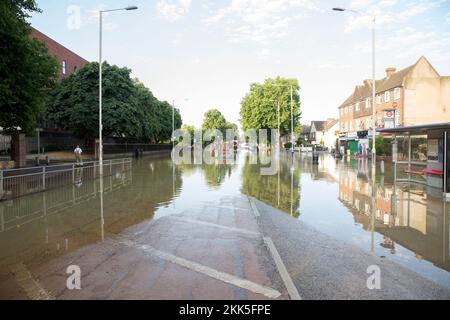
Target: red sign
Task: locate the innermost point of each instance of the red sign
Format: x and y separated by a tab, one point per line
388	114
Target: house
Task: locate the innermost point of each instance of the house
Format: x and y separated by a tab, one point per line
414	95
317	131
69	62
331	133
304	135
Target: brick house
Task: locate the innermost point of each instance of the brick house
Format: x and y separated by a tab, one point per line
414	95
69	62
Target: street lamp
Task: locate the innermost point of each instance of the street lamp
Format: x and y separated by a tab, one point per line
292	113
100	87
374	153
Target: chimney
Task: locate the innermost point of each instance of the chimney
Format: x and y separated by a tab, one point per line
390	72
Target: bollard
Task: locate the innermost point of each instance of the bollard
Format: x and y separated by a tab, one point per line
1	184
43	178
382	166
36	161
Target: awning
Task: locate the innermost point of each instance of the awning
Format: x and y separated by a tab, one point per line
417	129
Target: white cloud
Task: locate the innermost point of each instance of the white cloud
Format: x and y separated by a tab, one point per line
259	20
388	18
447	18
177	39
173	10
408	44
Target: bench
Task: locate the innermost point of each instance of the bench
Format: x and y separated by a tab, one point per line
426	171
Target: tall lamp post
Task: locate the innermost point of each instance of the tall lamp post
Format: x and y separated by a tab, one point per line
374	153
100	87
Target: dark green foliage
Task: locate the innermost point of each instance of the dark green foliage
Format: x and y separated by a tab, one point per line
130	110
27	72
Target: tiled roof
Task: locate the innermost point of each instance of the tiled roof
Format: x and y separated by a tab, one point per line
364	91
330	124
319	125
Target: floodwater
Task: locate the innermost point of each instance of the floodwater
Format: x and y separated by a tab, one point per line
404	223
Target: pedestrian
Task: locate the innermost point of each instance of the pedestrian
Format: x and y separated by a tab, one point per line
78	153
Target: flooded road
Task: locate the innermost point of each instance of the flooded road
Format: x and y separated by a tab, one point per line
170	210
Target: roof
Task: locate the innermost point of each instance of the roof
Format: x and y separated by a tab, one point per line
417	128
52	44
364	91
331	123
306	129
319	125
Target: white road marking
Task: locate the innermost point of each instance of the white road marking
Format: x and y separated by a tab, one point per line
209	224
25	280
218	275
254	208
233	208
292	290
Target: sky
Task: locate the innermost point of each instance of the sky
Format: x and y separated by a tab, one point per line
204	54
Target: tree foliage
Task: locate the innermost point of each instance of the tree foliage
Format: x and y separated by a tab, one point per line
130	110
259	108
27	71
214	119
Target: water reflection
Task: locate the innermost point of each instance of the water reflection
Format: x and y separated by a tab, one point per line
40	226
281	190
405	223
406	215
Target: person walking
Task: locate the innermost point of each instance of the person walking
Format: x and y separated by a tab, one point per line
78	153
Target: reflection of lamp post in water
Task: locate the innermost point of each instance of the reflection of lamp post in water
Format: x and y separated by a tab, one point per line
102	219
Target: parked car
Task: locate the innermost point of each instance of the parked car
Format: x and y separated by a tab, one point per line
306	148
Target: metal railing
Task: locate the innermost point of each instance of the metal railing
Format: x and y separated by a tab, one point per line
16	183
21	211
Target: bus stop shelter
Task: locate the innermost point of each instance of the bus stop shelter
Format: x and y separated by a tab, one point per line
420	154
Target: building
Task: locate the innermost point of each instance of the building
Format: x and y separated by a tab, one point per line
411	96
69	62
316	132
331	133
304	135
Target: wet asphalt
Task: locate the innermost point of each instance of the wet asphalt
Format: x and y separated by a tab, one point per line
324	268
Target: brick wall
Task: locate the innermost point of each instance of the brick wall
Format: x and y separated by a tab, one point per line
72	60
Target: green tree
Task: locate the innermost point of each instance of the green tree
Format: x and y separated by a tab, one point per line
214	119
27	71
259	108
191	130
129	108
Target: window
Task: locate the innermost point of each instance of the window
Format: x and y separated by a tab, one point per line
357	106
379	99
74	69
396	93
387	96
350	109
64	64
368	123
367	103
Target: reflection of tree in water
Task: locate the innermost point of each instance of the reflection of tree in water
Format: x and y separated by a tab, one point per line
215	174
265	188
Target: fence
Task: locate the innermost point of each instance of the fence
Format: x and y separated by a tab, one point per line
19	182
5	144
111	148
25	210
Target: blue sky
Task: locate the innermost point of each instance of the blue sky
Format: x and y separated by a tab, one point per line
205	54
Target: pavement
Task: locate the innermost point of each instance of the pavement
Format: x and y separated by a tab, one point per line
324	268
215	252
232	248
